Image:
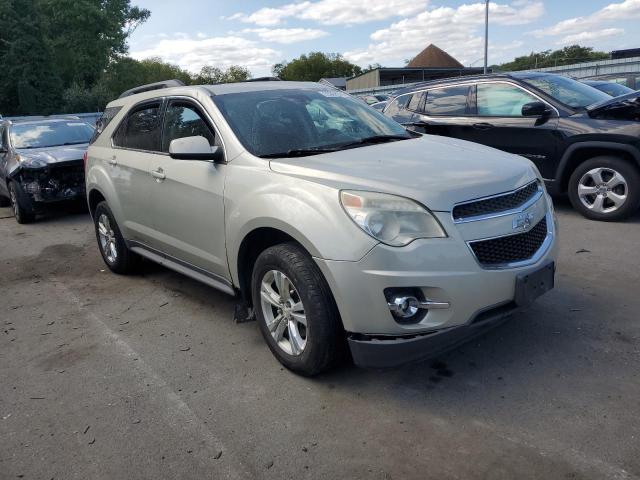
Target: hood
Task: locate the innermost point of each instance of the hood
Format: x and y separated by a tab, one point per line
436	171
624	107
42	157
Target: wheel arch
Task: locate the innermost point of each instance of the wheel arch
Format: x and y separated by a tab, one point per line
582	151
252	245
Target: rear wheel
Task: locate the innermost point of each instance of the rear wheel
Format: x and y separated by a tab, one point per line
605	188
112	246
295	310
21	209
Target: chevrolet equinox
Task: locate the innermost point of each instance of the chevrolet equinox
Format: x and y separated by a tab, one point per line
333	224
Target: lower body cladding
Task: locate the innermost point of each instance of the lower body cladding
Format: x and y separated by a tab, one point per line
404	304
54	183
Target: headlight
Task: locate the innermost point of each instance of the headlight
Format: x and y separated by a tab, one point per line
396	221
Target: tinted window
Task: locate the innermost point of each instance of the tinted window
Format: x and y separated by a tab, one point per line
104	120
416	104
613	89
183	120
271	122
50	134
448	101
502	100
141	129
567	90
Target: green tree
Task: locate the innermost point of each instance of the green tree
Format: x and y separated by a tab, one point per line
552	58
210	75
28	84
314	66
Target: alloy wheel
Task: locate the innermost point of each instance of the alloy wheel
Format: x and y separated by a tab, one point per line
283	312
603	190
107	239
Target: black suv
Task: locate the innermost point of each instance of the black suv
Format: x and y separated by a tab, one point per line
584	142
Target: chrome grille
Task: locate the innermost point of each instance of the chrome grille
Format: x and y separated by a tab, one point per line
510	249
497	204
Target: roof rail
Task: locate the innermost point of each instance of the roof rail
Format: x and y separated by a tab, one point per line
152	86
262	79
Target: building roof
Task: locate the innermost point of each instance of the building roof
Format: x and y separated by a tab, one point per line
434	57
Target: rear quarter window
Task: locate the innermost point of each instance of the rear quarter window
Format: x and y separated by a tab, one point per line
108	115
397	104
450	101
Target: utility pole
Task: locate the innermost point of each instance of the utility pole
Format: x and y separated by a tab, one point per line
486	35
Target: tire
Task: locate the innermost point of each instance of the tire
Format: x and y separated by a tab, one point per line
111	244
316	346
605	188
21	206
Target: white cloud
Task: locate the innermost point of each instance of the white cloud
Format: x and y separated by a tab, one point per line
625	10
193	53
334	12
457	30
286	35
581	37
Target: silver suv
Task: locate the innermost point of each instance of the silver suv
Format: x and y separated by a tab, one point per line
328	220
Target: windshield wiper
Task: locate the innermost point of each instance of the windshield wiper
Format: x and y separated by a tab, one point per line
298	152
373	140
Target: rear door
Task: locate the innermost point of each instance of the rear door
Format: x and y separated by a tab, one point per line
445	111
136	142
188	195
498	122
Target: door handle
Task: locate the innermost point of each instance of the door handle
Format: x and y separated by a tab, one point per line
482	126
158	174
113	161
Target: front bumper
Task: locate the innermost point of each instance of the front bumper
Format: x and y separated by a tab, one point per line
54	183
444	270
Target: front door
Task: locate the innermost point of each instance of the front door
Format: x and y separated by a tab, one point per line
499	123
188	195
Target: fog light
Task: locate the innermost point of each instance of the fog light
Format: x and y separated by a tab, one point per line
404	307
409	305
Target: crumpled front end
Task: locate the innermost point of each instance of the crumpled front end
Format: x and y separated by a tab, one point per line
53	182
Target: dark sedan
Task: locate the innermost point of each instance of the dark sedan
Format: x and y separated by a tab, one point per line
41	163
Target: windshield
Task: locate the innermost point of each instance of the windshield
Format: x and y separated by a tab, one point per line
272	122
567	90
50	134
613	89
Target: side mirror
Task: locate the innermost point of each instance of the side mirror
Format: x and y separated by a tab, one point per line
535	109
194	148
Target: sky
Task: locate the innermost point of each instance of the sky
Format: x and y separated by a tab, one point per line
257	34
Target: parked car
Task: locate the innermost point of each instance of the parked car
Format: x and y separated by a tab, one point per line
610	88
325	217
584	142
630	79
41	163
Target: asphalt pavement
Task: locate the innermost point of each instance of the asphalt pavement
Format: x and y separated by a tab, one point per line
148	377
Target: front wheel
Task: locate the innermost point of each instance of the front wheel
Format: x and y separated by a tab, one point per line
605	188
21	209
295	310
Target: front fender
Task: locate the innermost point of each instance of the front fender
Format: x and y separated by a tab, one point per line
306	211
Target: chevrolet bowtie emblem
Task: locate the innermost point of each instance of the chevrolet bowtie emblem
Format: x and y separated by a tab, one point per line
522	221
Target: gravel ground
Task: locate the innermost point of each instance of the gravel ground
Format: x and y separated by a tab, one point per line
104	376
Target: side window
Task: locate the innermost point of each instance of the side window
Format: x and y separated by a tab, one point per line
448	101
141	129
397	104
183	119
501	100
416	104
